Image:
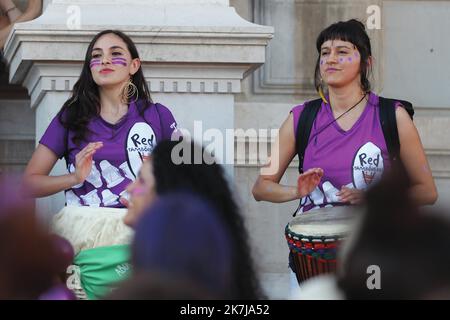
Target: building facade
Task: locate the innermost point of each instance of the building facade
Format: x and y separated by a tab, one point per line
238	64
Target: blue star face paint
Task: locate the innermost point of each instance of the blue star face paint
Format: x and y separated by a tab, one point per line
119	61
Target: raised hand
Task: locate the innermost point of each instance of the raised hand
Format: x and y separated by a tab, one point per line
83	161
350	195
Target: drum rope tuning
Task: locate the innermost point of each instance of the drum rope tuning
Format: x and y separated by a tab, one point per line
314	239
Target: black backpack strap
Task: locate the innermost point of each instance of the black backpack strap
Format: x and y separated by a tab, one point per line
388	122
304	127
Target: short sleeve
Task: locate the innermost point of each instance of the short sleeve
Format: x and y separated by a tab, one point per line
168	122
55	137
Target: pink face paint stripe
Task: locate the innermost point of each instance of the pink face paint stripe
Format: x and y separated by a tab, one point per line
119	61
95	62
137	191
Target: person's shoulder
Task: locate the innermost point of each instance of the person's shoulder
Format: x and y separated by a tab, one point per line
299	108
400	106
401	114
60	119
150	106
164	112
375	100
162	108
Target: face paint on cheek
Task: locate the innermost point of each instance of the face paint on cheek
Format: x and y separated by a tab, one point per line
119	61
95	63
321	62
341	60
349	59
356	55
138	191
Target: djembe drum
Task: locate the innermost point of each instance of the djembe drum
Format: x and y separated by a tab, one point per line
314	238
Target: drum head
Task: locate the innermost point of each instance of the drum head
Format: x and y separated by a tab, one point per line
324	222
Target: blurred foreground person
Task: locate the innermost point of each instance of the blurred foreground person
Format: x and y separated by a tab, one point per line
400	251
31	260
182	250
184	165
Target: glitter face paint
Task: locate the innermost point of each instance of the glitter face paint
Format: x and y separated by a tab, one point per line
95	62
119	61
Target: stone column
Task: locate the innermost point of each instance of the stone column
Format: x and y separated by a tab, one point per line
194	52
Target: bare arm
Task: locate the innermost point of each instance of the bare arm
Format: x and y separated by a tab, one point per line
33	10
4	21
37	180
423	189
267	187
4	32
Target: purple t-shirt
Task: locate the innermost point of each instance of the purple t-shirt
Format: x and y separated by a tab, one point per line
355	158
125	145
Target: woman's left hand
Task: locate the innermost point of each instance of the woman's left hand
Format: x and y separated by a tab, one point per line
350	195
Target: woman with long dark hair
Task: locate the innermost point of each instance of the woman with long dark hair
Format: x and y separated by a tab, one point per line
171	168
104	131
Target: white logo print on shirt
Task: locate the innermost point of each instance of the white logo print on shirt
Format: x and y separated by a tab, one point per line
94	177
330	192
140	143
110	173
109	198
368	166
72	199
126	170
91	199
317	198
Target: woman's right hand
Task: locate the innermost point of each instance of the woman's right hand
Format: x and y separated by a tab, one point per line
308	181
83	161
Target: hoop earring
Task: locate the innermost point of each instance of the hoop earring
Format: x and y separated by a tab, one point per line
130	90
320	89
